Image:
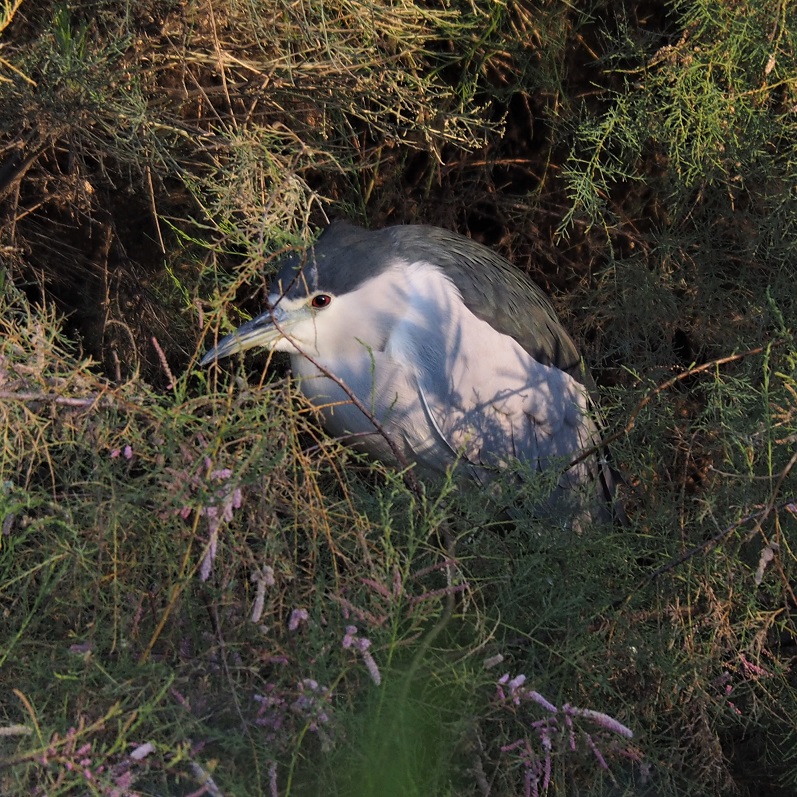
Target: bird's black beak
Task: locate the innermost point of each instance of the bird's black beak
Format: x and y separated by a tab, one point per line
260	331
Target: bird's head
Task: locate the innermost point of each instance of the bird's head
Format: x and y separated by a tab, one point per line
341	295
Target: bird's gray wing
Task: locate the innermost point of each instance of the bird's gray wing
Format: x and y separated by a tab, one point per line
496	292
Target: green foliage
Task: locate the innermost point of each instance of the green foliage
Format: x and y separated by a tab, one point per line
118	503
713	107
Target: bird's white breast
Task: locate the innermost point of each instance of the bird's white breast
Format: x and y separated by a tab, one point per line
446	383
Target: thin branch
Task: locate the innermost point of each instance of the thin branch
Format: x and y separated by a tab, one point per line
653	393
54	398
759	516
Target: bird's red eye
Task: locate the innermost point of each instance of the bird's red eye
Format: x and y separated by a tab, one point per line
320	300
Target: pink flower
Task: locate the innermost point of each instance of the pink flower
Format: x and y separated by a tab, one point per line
298	616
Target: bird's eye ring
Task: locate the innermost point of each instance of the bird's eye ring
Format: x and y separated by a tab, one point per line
320	301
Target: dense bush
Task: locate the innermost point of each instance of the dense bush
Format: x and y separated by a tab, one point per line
198	589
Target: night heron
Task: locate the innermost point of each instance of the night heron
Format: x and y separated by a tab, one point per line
458	357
